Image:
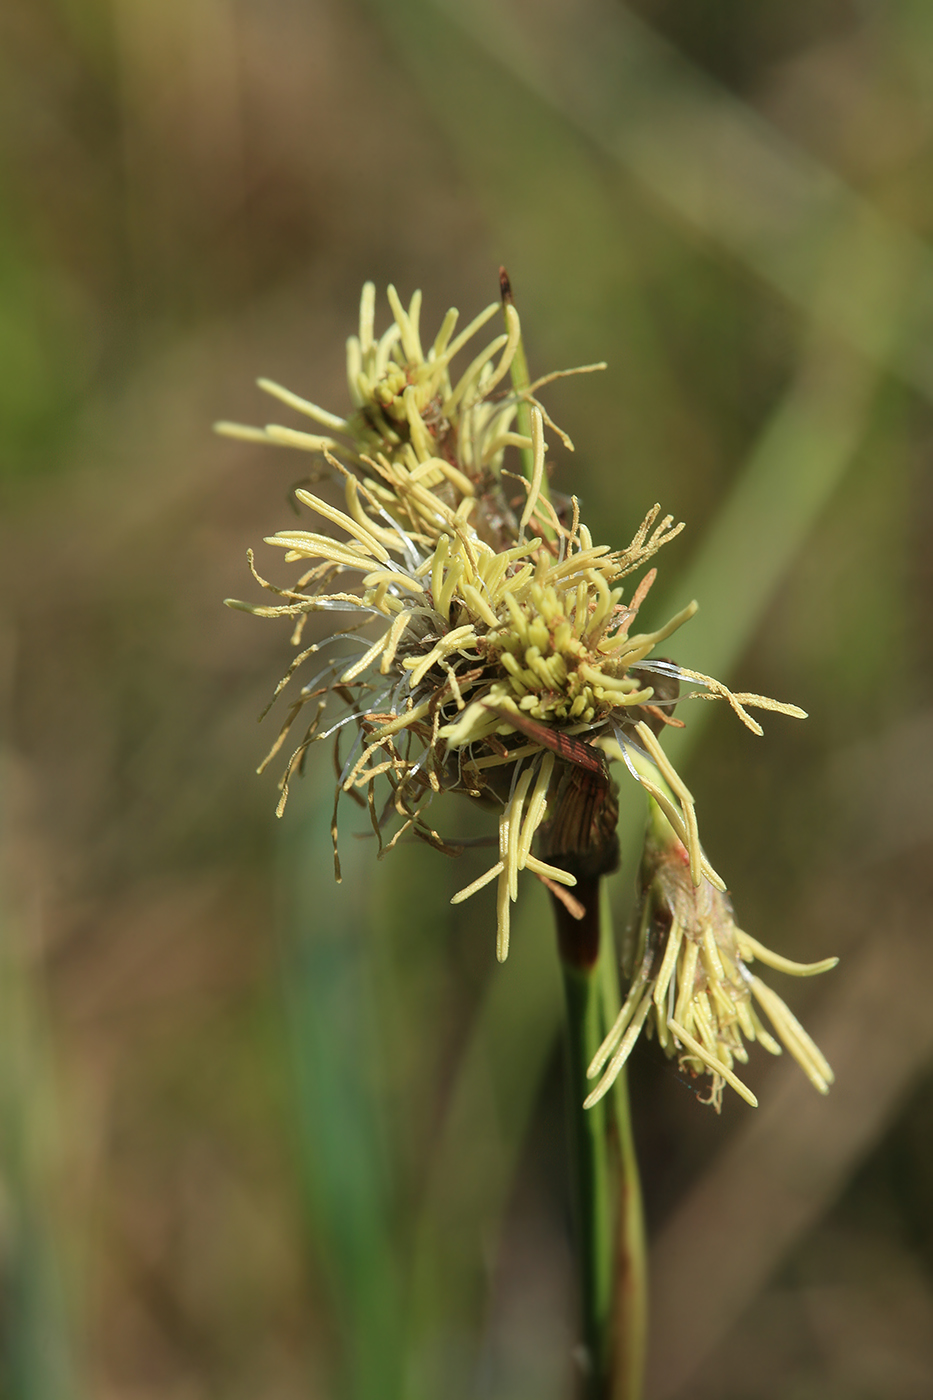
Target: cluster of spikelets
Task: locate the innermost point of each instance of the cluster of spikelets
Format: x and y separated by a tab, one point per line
496	656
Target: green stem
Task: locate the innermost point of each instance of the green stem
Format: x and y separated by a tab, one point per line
610	1224
579	949
631	1284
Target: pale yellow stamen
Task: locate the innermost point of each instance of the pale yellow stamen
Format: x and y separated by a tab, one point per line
750	948
471	374
459	638
686	980
549	872
242	431
536	807
443	336
711	958
538	447
626	1046
365	661
478	884
669	961
514	330
468	333
712	1062
810	1059
343	521
396	632
291	437
497	444
515	816
394	580
629	1006
311	410
477	602
304	544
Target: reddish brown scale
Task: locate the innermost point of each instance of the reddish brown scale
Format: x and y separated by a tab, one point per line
566	746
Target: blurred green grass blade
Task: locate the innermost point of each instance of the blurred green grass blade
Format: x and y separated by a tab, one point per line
37	1355
324	930
798	463
47	339
713	162
476	1154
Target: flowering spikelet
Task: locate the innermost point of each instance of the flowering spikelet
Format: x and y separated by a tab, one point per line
409	413
692	986
496	653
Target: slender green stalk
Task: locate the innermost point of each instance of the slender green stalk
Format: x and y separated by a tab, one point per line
610	1223
593	1182
579	950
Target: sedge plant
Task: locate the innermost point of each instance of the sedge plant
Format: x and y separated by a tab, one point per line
483	643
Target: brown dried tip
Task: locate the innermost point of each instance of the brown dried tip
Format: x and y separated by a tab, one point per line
505	287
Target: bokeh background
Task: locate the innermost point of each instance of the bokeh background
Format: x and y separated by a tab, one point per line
262	1136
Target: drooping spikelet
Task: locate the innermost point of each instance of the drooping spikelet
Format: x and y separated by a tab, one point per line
692	984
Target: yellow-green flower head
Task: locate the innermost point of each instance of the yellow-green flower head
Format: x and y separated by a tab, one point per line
408	409
693	986
404	396
497	654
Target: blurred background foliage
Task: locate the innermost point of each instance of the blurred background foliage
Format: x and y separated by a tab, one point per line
262	1135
